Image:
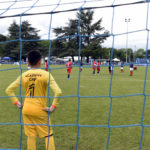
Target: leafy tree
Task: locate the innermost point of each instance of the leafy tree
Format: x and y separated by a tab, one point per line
57	48
140	53
148	53
67	46
2	45
2	38
130	54
91	31
44	47
121	54
106	53
13	31
90	41
28	34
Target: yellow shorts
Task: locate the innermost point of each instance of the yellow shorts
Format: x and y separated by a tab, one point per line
33	130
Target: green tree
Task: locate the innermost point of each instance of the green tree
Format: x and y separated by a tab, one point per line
28	34
91	40
67	46
148	53
89	28
44	47
2	38
57	48
2	45
12	47
121	54
140	53
130	55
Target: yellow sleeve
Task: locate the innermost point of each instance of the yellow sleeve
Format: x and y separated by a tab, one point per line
11	88
57	91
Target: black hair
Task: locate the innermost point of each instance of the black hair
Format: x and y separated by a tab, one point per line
33	57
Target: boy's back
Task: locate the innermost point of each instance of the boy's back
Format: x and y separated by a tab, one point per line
35	83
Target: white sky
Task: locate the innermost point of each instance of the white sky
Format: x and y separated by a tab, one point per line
137	14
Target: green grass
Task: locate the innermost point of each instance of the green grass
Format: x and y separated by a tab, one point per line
92	110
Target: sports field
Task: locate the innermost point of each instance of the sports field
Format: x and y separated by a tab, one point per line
94	107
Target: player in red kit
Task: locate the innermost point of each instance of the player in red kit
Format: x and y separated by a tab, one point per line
46	65
69	67
98	67
94	67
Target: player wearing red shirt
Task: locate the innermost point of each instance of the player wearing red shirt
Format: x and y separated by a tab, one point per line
69	67
98	67
46	65
94	67
134	67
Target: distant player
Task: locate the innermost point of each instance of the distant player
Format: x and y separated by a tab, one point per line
35	111
135	67
94	67
98	67
69	67
110	68
131	69
81	67
46	64
122	67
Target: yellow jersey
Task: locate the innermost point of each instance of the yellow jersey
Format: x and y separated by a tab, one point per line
35	83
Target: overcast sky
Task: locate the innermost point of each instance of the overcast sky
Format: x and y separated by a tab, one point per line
137	36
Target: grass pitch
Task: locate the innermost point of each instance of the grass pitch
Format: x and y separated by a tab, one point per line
93	106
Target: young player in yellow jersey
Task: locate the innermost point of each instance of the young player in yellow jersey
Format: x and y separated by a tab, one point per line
35	82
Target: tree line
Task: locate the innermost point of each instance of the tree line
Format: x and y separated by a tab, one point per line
87	37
